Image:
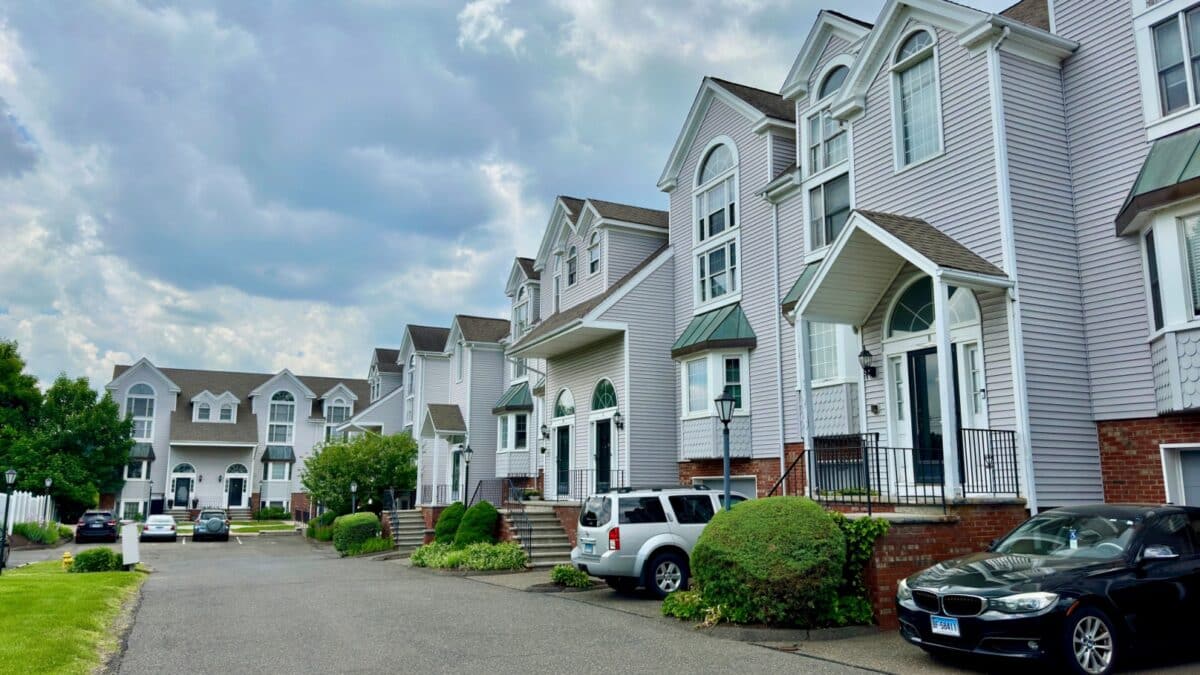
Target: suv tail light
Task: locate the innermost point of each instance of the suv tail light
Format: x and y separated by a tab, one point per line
111	522
614	539
172	528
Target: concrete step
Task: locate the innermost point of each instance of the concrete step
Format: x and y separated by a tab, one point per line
548	563
408	530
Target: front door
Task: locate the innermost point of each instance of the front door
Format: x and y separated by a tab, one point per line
183	492
237	489
1189	464
926	408
562	448
603	447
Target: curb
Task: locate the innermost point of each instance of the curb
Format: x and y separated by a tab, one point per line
766	634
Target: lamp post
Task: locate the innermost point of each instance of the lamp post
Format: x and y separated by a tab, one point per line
466	453
10	477
46	506
725	403
353	496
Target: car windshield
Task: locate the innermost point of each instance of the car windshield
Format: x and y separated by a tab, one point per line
1071	535
596	511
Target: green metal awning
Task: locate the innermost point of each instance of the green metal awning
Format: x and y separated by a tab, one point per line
1171	172
798	288
515	399
722	328
279	453
142	451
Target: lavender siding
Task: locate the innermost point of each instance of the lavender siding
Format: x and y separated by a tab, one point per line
624	250
579	371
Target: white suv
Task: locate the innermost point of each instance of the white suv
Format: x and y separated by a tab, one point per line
644	537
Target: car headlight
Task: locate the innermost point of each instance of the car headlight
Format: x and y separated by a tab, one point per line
903	592
1023	603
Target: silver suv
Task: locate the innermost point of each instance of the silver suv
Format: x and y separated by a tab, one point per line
643	537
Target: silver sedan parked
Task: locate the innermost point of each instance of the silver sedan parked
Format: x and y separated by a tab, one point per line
159	528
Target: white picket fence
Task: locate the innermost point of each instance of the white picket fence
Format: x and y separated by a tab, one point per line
27	507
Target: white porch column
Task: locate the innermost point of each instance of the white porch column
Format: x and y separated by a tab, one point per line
417	490
945	360
433	447
806	404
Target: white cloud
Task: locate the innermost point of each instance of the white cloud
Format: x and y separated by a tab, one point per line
482	20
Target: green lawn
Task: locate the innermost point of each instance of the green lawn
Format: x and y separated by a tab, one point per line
264	527
54	622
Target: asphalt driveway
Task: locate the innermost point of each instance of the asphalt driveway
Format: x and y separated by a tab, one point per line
281	604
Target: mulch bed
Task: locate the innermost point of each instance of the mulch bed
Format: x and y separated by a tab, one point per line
555	588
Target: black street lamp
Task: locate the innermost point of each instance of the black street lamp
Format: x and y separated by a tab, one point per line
466	453
46	505
725	403
10	477
353	496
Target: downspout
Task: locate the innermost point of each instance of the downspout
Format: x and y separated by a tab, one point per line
778	351
1008	245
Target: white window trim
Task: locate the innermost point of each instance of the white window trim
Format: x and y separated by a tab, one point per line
268	473
232	414
121	511
503	435
1158	124
731	232
1172	467
153	397
1173	277
931	52
595	243
725	238
819	181
291	426
572	255
145	471
715	382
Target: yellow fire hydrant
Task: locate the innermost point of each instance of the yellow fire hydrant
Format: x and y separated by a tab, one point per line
67	561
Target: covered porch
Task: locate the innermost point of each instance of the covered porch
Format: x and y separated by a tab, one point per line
443	432
219	476
937	420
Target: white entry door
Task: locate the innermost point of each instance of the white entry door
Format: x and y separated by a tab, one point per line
897	401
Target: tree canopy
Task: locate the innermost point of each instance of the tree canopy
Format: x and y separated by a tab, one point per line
19	396
375	462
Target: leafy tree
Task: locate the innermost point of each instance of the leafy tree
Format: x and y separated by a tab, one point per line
375	462
78	440
19	396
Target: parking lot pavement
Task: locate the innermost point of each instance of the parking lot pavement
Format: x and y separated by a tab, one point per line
283	604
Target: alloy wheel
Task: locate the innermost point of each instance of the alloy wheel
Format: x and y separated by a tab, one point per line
668	576
1092	642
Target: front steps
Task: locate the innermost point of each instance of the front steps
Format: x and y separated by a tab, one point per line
237	515
548	544
408	530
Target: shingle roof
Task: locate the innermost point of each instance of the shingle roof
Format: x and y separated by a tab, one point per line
559	319
631	214
1035	13
386	360
574	204
428	338
447	418
527	267
482	329
245	429
932	243
768	103
847	17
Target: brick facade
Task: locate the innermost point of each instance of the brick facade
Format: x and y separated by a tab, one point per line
1130	458
910	546
301	506
767	471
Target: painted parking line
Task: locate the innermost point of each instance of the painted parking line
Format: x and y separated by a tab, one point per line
239	540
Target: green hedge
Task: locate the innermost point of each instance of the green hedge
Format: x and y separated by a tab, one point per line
38	534
478	526
504	556
775	561
569	576
686	605
99	559
373	545
353	530
326	519
272	513
447	523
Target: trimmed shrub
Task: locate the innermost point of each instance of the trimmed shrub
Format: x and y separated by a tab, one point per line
354	529
319	532
567	575
478	526
853	607
36	533
99	559
374	545
503	556
686	605
776	561
272	513
326	519
427	555
65	532
447	523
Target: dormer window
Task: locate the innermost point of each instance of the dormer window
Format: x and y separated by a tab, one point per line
227	412
337	412
572	266
916	117
203	412
594	254
521	314
833	81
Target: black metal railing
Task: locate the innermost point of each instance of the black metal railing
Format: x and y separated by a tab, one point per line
426	494
987	461
786	474
441	492
508	494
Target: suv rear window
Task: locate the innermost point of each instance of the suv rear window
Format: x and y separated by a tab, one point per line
205	515
633	510
692	509
596	511
93	517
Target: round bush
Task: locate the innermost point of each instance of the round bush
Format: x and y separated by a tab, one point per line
326	519
447	524
99	559
775	561
478	526
352	530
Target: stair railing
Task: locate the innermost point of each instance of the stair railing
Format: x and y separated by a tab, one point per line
785	475
517	515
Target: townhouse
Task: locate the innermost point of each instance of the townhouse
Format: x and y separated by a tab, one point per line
383	413
215	439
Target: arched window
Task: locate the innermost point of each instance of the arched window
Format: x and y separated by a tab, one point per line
594	254
914	313
916	90
139	406
237	469
204	412
572	266
227	412
716	196
833	81
184	468
412	366
337	412
520	314
564	406
282	418
604	395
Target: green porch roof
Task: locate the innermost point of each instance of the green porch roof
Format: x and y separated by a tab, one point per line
1171	172
798	288
515	399
141	451
279	453
722	328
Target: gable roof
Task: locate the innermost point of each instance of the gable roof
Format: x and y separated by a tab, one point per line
932	243
385	360
629	213
564	214
245	429
527	267
840	15
482	329
828	24
446	418
572	207
428	338
768	103
1035	13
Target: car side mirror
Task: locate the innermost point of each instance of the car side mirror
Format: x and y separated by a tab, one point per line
1159	552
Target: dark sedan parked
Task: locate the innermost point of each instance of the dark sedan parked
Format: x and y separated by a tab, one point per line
1085	585
96	525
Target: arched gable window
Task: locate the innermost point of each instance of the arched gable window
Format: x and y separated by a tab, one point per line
337	412
594	254
139	406
227	412
412	366
282	418
833	81
237	469
204	412
604	395
564	405
184	468
918	126
572	266
914	313
716	193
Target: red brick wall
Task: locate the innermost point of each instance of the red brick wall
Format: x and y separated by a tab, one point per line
766	470
108	502
300	502
910	547
1130	459
568	517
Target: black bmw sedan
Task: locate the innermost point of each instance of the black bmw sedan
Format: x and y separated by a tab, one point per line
1085	585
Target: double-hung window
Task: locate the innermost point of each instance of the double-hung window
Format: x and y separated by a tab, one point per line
827	143
139	406
572	266
279	471
697	386
135	470
504	433
594	254
732	384
1177	60
1156	304
822	351
227	412
520	432
707	377
204	412
336	413
829	209
915	88
282	418
717	271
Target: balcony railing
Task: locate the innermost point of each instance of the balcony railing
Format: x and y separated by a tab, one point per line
855	470
426	494
583	483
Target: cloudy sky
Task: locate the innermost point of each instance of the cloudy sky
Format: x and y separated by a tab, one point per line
259	185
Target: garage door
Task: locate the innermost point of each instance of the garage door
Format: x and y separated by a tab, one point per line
743	485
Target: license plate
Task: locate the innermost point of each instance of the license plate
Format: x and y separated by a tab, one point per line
944	625
588	548
95	525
